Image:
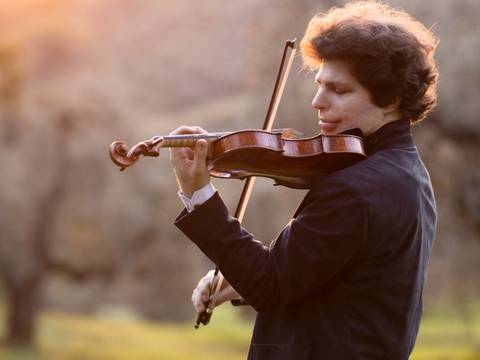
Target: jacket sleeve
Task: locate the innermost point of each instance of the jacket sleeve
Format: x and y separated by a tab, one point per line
309	251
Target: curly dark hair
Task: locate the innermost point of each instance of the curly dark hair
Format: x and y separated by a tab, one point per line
388	52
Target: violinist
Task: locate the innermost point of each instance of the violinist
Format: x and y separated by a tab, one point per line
344	278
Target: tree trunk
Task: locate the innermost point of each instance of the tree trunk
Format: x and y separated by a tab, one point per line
24	294
22	306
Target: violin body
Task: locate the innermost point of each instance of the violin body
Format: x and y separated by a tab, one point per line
238	155
289	162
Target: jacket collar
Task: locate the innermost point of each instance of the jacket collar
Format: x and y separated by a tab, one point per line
396	134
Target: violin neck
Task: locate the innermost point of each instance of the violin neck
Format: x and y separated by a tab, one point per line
187	140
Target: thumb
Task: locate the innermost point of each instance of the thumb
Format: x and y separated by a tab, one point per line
201	148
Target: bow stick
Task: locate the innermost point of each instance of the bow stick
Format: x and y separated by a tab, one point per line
204	317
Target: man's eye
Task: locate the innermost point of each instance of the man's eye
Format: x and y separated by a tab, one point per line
340	91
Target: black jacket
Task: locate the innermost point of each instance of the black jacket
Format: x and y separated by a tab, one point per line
344	278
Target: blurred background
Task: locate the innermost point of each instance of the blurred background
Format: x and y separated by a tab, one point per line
91	266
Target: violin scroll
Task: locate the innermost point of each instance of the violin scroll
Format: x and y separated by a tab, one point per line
124	157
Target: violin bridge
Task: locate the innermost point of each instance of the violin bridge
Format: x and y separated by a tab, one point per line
289	133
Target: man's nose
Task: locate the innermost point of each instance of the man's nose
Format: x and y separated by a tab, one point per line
319	102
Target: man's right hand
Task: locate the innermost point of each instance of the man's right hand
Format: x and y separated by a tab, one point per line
201	295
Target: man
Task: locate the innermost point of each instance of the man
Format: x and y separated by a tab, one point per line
344	278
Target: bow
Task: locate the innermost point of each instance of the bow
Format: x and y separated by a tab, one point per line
217	281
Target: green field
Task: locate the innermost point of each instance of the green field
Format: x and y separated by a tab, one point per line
65	336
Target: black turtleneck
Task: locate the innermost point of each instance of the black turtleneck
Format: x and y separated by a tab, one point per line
395	133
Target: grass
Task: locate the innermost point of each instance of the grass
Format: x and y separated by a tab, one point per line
449	335
443	336
66	336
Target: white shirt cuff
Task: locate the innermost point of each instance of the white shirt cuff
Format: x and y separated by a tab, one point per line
198	197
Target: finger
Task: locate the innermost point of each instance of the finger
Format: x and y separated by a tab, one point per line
182	152
199	305
201	294
181	155
206	279
201	149
200	130
204	287
197	300
202	299
188	130
183	130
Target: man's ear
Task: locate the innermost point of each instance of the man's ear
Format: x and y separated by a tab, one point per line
392	107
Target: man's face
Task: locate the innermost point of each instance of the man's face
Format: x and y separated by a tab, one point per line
343	103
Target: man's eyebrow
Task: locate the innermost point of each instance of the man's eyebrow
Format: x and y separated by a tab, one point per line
331	82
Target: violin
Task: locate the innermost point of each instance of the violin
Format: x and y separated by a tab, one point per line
277	154
249	153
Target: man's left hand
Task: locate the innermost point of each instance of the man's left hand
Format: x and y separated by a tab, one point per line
190	165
